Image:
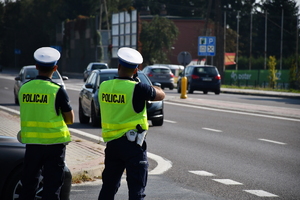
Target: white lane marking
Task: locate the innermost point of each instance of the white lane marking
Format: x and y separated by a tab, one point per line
272	141
261	193
163	164
98	138
173	122
228	182
10	110
235	112
210	129
202	173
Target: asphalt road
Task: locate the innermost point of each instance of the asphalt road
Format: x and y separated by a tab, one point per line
215	153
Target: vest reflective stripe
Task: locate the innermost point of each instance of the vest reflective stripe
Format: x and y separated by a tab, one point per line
122	126
40	123
118	117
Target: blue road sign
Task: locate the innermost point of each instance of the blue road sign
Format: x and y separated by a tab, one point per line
206	45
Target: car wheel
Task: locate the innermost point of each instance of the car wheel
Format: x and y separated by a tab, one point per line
217	91
16	98
171	88
190	89
178	87
13	186
66	187
205	91
82	118
95	119
158	122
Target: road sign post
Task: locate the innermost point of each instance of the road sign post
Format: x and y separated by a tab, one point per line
184	58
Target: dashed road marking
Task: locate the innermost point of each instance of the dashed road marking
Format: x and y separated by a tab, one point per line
272	141
228	182
210	129
202	173
173	122
261	193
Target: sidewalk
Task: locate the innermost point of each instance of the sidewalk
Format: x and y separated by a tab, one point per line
82	156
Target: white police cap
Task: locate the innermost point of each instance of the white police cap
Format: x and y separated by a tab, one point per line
129	57
46	56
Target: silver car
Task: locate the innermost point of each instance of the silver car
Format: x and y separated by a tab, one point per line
160	74
30	72
91	66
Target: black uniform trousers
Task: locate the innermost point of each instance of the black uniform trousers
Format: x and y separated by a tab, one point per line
48	160
121	154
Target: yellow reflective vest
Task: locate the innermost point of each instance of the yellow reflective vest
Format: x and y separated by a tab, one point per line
117	112
40	123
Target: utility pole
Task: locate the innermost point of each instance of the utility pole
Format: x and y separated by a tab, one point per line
281	40
237	40
250	56
266	38
219	61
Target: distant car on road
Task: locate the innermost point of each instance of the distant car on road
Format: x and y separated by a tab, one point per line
160	74
89	107
30	72
92	66
11	158
202	78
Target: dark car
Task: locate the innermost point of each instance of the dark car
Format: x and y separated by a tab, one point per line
160	74
30	72
92	66
202	78
11	159
89	107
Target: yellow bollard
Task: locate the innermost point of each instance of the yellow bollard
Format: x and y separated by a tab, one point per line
183	87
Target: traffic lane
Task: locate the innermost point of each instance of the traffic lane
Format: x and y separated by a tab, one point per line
243	98
157	188
231	121
232	153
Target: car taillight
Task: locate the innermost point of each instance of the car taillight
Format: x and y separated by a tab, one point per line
218	77
150	75
171	75
195	77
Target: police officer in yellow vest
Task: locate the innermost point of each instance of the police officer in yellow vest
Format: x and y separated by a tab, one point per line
45	112
123	107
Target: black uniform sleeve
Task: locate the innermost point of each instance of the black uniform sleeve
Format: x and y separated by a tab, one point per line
62	102
142	93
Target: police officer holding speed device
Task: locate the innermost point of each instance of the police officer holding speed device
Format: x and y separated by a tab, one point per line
124	127
44	113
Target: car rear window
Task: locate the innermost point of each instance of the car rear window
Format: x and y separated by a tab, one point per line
144	79
106	77
31	73
96	66
55	75
160	70
205	70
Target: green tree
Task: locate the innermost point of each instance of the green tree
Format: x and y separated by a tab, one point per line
272	72
157	38
294	77
184	8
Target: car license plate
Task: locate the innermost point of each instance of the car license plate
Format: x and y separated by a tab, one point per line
207	79
161	76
